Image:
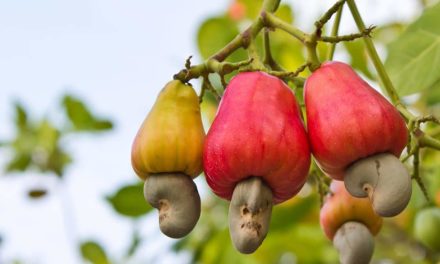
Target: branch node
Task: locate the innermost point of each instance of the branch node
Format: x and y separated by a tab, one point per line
188	62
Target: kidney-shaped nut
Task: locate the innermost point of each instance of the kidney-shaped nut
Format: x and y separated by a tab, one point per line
382	178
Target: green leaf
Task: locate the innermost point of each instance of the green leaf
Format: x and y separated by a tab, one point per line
94	253
358	56
414	57
82	118
252	7
21	118
284	12
286	51
20	162
214	34
48	154
129	201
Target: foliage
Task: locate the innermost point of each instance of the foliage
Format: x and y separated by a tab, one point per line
94	253
415	55
129	201
37	144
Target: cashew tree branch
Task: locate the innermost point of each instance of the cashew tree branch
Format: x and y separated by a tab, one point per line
334	33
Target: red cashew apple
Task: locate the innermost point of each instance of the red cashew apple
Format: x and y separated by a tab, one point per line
356	135
256	153
350	223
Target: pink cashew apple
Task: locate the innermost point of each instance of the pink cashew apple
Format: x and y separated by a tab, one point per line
256	153
356	136
350	223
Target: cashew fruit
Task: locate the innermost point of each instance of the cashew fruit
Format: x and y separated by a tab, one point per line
341	207
356	136
257	132
167	154
256	153
350	223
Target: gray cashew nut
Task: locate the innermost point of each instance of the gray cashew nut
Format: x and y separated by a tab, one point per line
354	243
176	197
249	214
382	178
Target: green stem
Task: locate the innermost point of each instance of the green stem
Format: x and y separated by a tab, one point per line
254	56
268	60
310	41
242	40
416	174
210	66
335	30
383	76
236	43
405	112
312	56
273	21
430	142
327	15
266	42
350	37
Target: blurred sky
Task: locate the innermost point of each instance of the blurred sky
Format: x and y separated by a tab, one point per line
116	55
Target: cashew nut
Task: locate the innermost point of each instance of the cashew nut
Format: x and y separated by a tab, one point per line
382	178
176	197
354	243
249	214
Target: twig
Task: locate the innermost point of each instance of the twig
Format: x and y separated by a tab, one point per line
416	174
327	15
350	37
334	32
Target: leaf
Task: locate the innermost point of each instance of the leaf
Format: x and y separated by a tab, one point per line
414	57
20	162
252	7
48	154
58	160
129	201
82	118
214	34
432	97
358	56
94	253
286	51
284	12
21	119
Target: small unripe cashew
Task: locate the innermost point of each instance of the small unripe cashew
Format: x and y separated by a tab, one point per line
249	214
176	197
354	243
382	178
